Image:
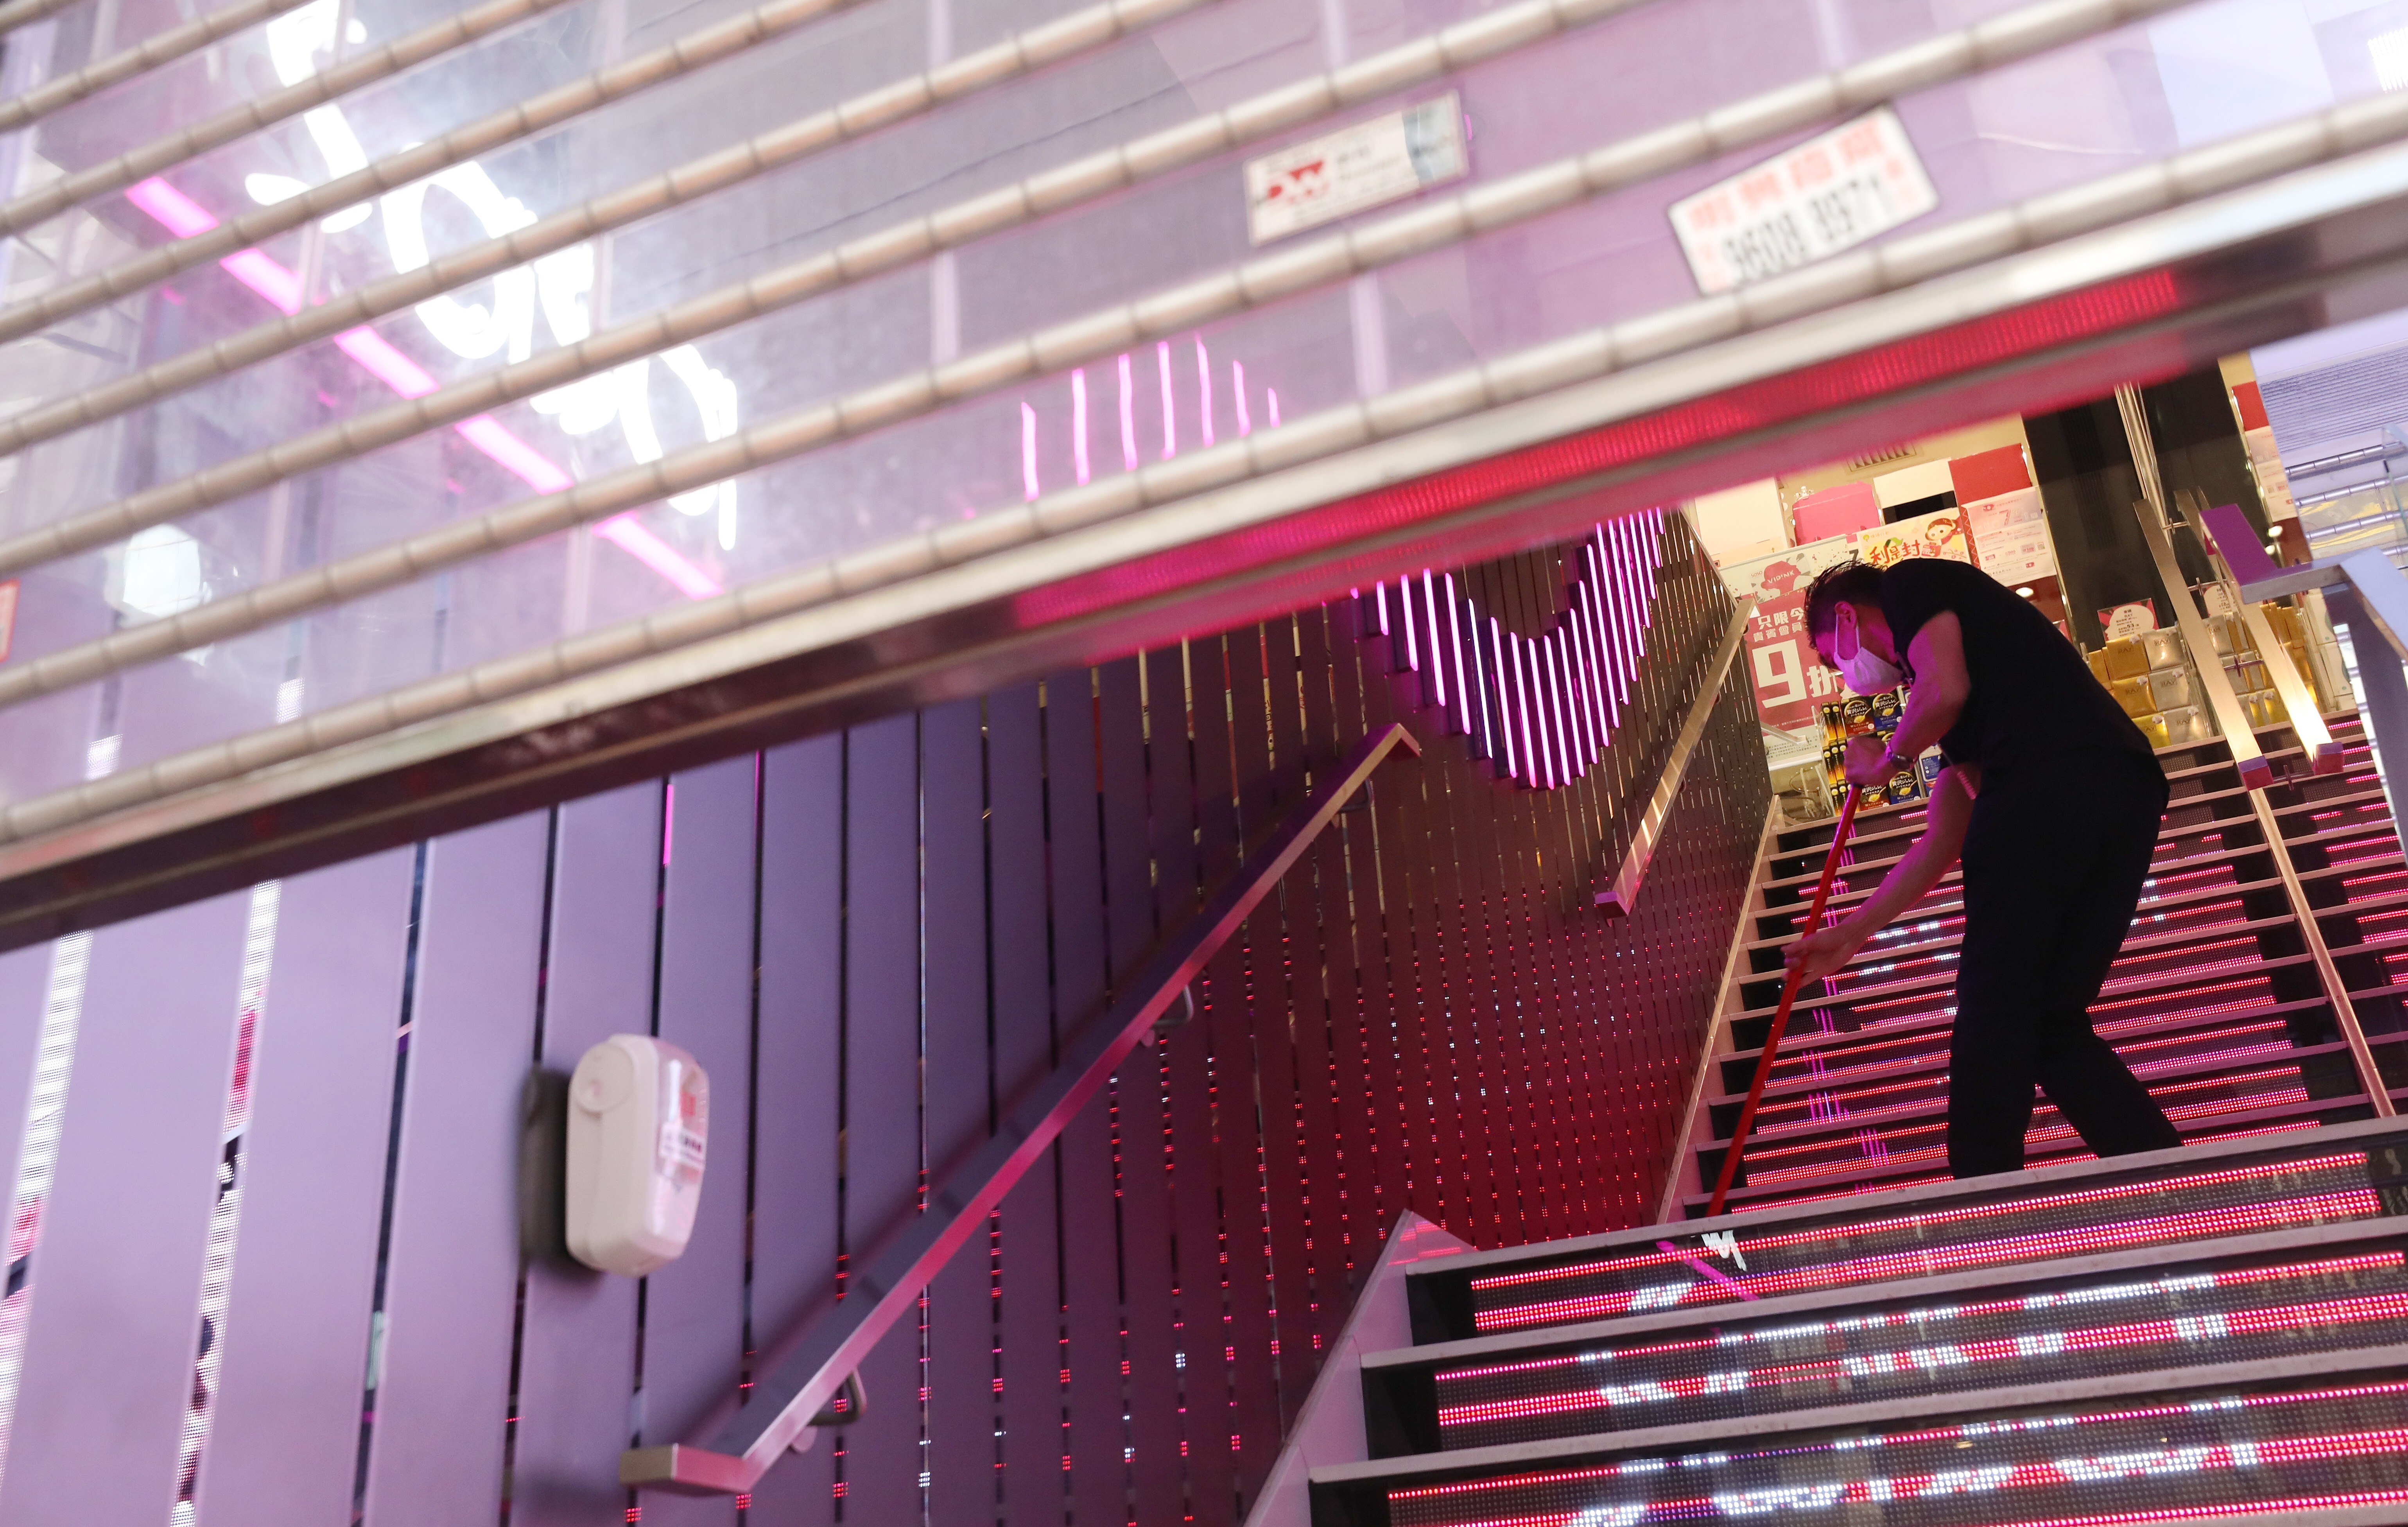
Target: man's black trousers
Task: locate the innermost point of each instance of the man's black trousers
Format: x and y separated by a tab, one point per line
2054	862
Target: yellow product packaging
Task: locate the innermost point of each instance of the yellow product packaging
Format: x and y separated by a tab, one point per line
2285	622
2097	664
1835	726
2133	695
2127	657
2154	725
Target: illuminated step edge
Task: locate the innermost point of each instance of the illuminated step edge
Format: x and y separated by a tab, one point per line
1874	1139
2159	1318
2259	1383
1681	1278
1865	1184
1807	1059
2337	1240
2084	1178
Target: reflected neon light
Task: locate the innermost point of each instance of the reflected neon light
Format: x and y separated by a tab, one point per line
2355	1203
280	288
1542	710
2164	1460
1592	1394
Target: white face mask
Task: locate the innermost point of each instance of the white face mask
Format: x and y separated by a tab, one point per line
1866	673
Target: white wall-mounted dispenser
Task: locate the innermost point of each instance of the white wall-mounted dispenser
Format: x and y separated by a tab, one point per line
638	1123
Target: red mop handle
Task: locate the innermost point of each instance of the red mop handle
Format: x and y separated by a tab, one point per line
1781	1014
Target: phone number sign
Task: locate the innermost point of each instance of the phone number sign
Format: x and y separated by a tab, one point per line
1828	194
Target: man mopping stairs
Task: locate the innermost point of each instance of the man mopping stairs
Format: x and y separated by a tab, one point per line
2051	798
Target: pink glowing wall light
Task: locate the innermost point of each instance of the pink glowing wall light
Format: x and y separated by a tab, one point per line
1238	386
1128	417
1204	389
1028	484
1078	425
280	288
1503	708
1522	708
1170	405
1455	646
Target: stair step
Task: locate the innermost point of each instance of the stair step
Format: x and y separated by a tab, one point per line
2253	1308
2163	1198
1832	1115
1924	1141
2159	1447
1846	1095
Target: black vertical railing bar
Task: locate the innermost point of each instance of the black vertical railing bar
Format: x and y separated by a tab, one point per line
798	1379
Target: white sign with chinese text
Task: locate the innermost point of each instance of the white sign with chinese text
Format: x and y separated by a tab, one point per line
2011	537
1372	163
1828	194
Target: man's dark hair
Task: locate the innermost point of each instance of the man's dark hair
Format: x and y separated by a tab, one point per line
1857	583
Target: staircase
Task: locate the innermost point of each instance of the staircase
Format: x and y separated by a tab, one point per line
2217	1001
2186	1336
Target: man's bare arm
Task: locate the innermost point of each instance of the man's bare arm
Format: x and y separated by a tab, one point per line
1826	950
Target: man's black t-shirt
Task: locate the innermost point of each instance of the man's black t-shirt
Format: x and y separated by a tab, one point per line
2033	696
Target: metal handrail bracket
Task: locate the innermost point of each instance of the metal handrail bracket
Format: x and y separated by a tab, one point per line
813	1365
1616	896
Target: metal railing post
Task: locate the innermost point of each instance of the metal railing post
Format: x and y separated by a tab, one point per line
2256	773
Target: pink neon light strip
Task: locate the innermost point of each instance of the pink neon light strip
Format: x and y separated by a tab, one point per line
1079	426
1169	415
1204	389
2355	1204
1129	417
1238	387
1920	1222
1524	694
1568	657
2201	1329
1028	485
280	288
2208	1456
1792	1332
1551	659
1463	700
1501	709
1429	613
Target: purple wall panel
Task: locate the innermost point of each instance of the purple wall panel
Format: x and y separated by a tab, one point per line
796	1075
961	1305
1213	1185
450	1283
693	1308
1153	1310
1099	1478
1031	1246
577	1348
296	1335
1287	999
115	1278
882	1091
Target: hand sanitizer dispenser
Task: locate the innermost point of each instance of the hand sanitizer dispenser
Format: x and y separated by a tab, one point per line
638	1121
